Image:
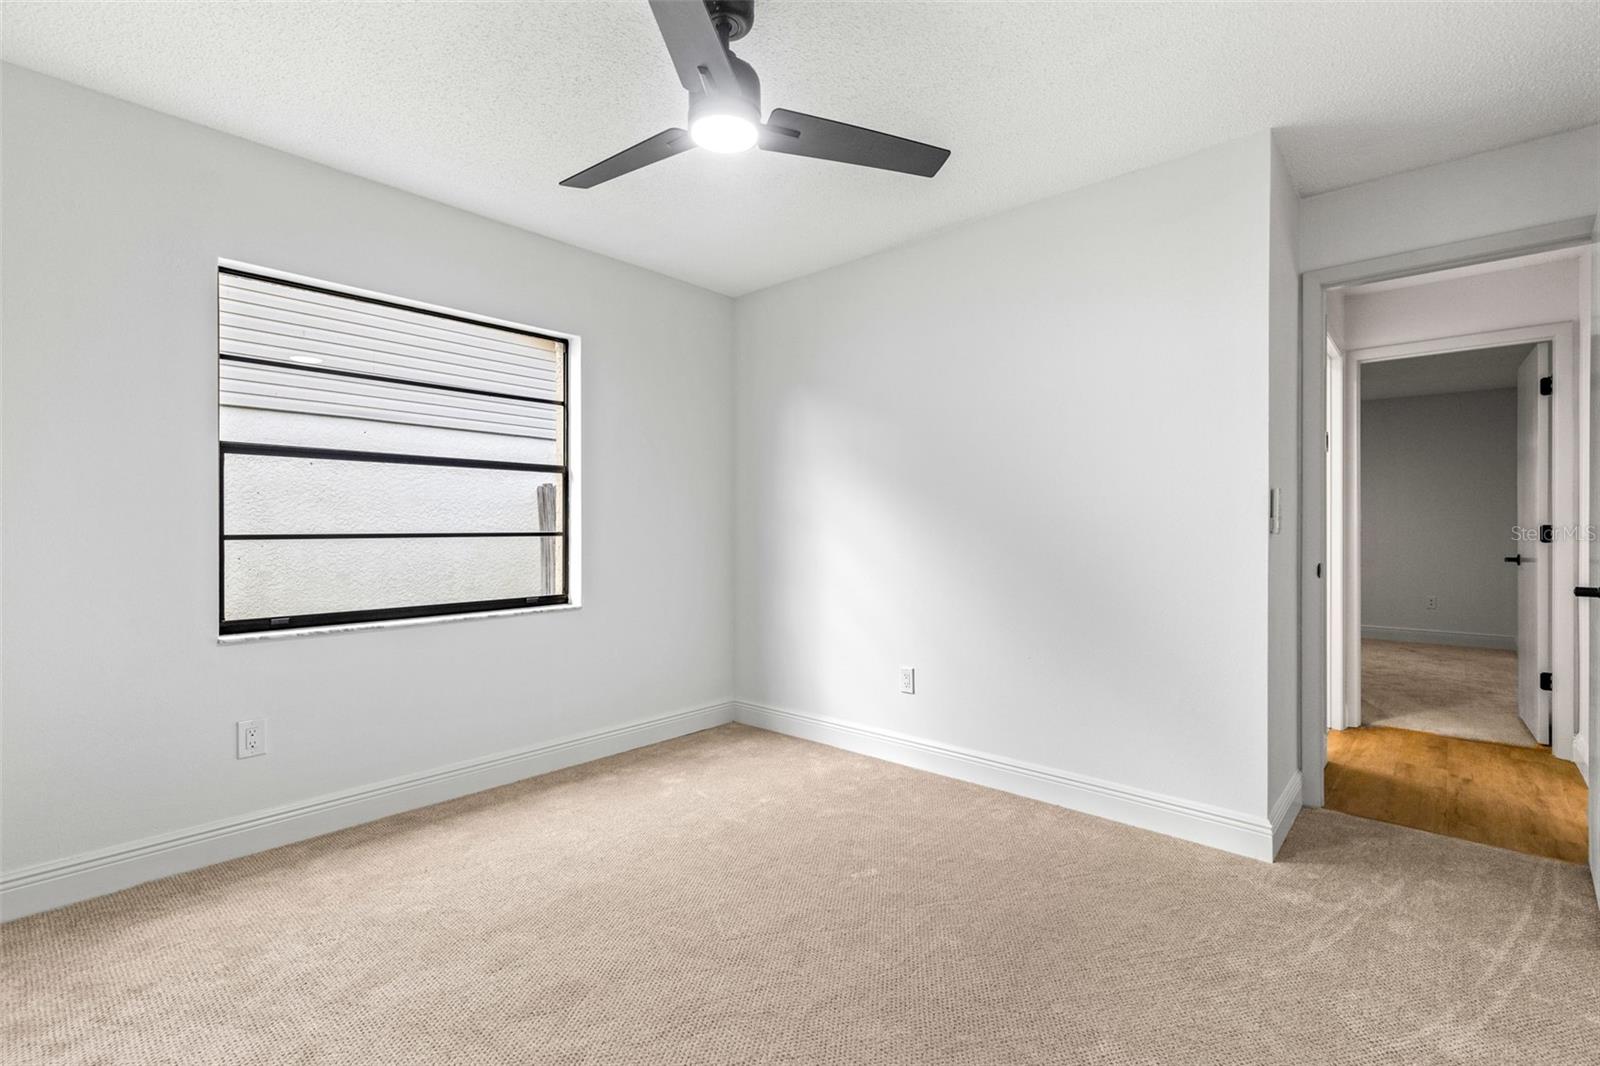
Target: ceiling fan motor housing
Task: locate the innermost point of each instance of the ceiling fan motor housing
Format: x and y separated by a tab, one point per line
744	100
732	18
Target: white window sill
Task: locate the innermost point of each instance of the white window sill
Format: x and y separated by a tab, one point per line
391	623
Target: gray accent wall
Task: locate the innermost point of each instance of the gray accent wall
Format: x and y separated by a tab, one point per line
1438	502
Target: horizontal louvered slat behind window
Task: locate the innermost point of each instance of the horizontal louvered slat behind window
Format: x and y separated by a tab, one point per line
288	324
406	321
249	425
286	388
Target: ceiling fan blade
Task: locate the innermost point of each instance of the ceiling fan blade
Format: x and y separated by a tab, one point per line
821	138
663	145
695	45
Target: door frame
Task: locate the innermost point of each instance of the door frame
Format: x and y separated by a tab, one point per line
1314	286
1565	553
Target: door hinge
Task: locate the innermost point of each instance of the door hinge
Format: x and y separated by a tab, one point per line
1546	385
1547	682
1547	534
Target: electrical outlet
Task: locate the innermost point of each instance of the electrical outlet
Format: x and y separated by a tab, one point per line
252	738
1433	603
908	680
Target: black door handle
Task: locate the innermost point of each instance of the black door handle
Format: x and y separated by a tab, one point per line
1587	590
1514	559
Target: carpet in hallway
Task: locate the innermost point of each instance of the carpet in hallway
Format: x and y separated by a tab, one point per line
1436	688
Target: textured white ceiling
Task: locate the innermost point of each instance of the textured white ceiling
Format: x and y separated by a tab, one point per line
488	105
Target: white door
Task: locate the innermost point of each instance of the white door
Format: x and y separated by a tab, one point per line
1533	511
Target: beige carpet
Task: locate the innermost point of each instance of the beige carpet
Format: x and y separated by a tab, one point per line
741	897
1435	688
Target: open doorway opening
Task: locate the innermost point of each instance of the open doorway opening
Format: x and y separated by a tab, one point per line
1456	473
1454	631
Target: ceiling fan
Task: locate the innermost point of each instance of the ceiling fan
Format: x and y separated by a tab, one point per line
725	105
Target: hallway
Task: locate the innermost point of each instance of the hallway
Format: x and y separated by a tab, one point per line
1441	749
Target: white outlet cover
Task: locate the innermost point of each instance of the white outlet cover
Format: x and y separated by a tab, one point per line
252	737
908	680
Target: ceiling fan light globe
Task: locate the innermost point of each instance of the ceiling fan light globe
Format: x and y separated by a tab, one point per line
723	133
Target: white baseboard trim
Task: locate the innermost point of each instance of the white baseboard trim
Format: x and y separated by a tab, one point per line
46	886
1285	809
1441	636
1580	755
1201	823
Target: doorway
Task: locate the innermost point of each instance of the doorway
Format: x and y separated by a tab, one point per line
1453	689
1453	464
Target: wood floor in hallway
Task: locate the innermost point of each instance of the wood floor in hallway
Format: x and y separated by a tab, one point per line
1524	799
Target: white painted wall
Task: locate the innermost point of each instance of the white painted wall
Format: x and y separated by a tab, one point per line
1283	554
1028	456
119	703
1531	295
1551	179
1438	503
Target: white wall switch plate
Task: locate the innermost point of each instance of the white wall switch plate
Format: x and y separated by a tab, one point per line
252	738
908	680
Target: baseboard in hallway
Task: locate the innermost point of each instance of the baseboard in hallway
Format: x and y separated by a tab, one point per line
1447	637
1254	836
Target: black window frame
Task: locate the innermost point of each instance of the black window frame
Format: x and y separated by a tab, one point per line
290	623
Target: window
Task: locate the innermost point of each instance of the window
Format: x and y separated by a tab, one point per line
380	460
